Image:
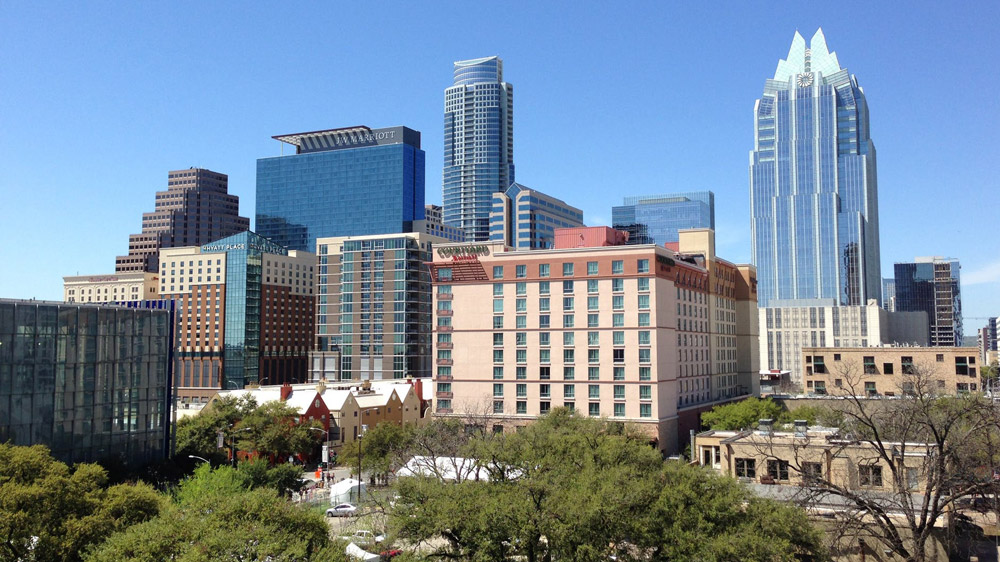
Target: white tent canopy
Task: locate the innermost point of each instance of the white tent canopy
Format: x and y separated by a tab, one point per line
346	491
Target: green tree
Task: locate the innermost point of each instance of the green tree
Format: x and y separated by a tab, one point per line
198	435
383	448
575	488
248	525
273	429
53	513
741	415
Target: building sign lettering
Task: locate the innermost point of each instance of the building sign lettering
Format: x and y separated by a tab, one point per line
465	252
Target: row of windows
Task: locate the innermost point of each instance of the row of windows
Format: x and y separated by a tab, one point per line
569	355
569	321
569	390
545	372
569	338
521	407
544	287
568	269
568	304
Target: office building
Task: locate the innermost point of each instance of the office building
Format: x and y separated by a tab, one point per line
788	326
890	371
814	195
111	288
245	311
478	144
889	293
656	219
433	224
340	182
634	333
527	219
932	284
90	382
195	209
373	307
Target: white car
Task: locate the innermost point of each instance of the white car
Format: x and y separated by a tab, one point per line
342	510
365	538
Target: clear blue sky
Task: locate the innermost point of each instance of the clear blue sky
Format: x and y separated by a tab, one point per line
98	100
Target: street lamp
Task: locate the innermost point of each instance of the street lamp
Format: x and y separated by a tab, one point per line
199	458
361	434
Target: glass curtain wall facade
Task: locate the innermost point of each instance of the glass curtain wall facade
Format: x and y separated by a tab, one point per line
814	196
374	304
341	182
241	352
657	219
478	144
526	219
91	382
933	286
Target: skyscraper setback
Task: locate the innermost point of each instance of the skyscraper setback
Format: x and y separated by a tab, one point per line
195	209
814	195
478	144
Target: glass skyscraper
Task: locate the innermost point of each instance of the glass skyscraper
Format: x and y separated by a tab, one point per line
656	219
932	284
341	182
814	196
478	144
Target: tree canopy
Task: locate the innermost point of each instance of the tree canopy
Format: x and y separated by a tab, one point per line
217	517
50	512
743	414
270	429
576	488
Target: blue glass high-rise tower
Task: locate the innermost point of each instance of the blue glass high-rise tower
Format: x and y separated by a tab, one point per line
478	144
813	190
341	182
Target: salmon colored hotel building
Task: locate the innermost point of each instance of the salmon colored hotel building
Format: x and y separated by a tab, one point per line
641	334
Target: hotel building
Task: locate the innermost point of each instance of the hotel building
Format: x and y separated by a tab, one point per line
341	182
373	305
634	333
245	313
115	287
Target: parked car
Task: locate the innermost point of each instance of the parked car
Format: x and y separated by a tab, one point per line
342	510
364	538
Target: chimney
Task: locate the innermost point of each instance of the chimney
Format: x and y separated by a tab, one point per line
321	386
801	427
286	391
765	426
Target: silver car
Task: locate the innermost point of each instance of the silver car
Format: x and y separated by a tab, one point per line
342	510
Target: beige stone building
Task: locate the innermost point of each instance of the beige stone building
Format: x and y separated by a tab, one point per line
640	334
787	326
793	457
112	287
889	371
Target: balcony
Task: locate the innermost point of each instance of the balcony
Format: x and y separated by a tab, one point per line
445	361
444	378
445	395
445	329
446	313
445	296
445	345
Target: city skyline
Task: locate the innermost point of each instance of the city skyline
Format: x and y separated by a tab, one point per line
581	132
